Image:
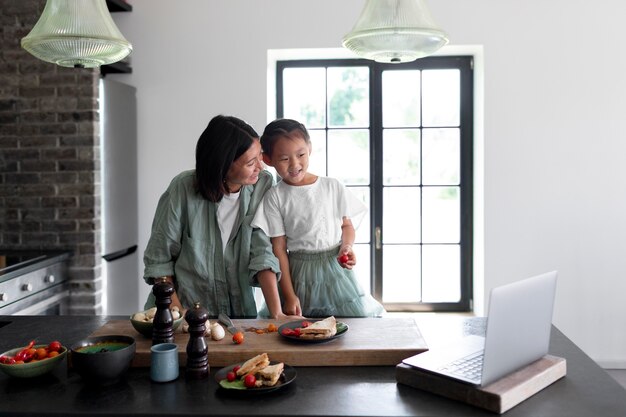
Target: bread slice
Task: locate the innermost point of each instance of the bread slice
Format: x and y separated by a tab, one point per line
321	329
269	375
253	365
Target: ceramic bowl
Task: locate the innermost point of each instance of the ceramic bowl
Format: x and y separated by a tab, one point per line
32	369
103	358
145	327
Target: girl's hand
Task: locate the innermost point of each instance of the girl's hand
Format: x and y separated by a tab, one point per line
346	257
283	316
292	306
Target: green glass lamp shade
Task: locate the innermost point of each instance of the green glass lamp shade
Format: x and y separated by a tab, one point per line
395	31
76	33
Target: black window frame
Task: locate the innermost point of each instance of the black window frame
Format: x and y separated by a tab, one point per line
463	63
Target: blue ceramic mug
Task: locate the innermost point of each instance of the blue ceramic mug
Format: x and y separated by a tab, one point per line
164	362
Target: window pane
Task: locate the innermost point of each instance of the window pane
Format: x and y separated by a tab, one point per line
441	98
363	228
362	267
317	161
401	93
441	269
349	156
348	96
401	157
401	215
440	215
401	274
441	149
304	95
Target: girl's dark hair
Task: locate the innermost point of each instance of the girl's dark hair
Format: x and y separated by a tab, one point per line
224	140
281	128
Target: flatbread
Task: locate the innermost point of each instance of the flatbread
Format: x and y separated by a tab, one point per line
269	375
253	365
322	329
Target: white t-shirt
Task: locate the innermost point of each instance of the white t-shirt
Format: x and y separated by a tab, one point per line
227	210
309	215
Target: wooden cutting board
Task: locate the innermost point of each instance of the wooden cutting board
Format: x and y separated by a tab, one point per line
368	342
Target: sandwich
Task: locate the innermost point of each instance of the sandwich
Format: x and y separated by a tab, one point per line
322	329
253	365
269	375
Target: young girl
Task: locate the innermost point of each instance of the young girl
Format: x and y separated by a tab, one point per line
308	219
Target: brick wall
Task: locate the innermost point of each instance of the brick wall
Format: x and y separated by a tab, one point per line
49	156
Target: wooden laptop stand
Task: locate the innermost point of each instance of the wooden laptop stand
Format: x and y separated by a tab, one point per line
499	396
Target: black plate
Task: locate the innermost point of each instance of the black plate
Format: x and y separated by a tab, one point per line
288	376
342	328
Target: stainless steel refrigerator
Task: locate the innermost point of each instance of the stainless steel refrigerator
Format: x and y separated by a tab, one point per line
118	130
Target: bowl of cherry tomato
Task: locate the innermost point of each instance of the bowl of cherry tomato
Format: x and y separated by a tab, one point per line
32	360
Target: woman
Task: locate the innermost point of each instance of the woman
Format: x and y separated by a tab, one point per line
201	237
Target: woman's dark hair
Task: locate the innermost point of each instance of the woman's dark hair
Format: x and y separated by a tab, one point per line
282	128
224	140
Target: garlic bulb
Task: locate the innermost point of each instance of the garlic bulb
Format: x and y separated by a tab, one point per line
140	317
217	331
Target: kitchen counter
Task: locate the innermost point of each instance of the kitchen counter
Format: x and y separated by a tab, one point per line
587	390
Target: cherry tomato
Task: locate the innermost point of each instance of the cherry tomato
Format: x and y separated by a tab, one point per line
296	332
272	327
42	353
306	323
231	376
53	354
54	346
249	381
236	368
287	332
343	259
238	338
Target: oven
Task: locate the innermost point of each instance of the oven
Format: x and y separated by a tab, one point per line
34	282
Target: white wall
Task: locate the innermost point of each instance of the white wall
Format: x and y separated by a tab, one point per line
554	131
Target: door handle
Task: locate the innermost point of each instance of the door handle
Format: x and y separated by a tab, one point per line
377	236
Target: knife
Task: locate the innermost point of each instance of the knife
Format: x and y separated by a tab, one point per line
225	320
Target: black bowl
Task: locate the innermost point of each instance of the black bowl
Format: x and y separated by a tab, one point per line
103	359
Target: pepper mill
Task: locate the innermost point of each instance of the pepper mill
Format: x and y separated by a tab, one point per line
162	325
197	350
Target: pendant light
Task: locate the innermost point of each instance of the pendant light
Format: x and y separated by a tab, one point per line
76	33
395	31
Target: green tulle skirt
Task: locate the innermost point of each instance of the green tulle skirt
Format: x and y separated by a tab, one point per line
326	289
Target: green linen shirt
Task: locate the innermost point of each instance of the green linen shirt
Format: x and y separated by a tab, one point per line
186	242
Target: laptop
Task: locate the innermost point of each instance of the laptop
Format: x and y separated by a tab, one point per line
518	333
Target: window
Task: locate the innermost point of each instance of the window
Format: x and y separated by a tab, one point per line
401	138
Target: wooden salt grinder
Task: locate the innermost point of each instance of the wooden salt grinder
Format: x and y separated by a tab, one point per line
197	350
162	325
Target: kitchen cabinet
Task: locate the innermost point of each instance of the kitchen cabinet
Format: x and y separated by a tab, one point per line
119	67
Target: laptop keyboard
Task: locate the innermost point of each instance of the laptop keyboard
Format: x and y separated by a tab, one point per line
469	367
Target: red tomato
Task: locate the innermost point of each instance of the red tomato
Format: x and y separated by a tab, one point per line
249	381
238	338
343	259
296	332
231	376
236	368
42	353
288	332
306	323
54	346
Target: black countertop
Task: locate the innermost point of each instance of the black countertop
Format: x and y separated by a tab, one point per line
587	390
